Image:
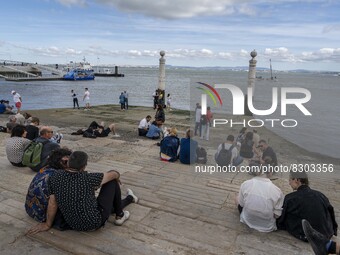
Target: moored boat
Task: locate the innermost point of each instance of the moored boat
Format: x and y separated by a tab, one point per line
82	72
109	73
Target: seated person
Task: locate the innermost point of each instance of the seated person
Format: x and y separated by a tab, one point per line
227	153
319	242
5	108
260	203
99	130
73	192
187	153
12	122
267	151
2	107
154	131
144	125
37	194
20	119
170	146
247	146
16	145
306	203
46	133
32	129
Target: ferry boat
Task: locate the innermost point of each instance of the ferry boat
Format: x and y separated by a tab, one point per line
106	72
82	72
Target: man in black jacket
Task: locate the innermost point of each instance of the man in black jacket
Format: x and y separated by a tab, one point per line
309	204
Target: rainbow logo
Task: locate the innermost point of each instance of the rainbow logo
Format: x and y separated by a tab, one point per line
210	92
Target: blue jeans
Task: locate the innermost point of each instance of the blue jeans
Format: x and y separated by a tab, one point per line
237	161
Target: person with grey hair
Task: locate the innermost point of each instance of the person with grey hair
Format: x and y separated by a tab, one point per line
260	202
46	133
73	192
309	204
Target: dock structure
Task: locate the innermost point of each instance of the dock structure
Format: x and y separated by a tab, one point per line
21	71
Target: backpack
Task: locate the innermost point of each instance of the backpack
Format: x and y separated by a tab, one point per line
224	157
201	155
203	120
32	154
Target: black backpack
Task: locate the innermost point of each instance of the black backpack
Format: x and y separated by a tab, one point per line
201	155
203	120
224	157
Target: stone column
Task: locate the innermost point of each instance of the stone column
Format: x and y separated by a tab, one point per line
252	71
161	80
251	81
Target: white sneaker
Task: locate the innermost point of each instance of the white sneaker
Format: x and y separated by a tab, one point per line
120	221
59	137
135	198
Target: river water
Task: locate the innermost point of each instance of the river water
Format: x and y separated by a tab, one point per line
318	133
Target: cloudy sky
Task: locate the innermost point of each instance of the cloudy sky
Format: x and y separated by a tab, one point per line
295	34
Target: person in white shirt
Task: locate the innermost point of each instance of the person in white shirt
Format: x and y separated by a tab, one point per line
260	203
144	125
198	113
17	100
86	98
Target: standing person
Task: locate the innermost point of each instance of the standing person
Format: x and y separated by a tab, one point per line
126	100
75	99
206	124
86	98
122	101
155	99
17	100
73	192
168	102
198	113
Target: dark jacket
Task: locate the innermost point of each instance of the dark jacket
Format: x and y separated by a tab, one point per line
169	146
311	205
187	154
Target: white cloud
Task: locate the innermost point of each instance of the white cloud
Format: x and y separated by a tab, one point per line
174	9
73	2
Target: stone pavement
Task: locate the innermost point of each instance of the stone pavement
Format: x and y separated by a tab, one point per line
180	211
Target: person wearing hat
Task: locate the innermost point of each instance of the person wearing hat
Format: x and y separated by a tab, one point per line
17	100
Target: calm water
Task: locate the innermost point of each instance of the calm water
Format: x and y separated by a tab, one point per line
319	132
